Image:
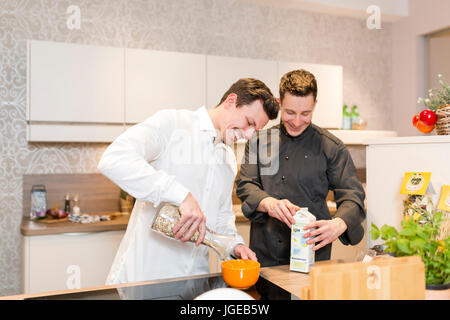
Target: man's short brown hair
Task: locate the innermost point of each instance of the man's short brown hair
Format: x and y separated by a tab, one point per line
300	83
249	90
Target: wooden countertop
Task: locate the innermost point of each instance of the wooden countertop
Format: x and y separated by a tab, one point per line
291	281
280	275
29	227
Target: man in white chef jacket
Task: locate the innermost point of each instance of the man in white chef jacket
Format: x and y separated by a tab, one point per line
183	157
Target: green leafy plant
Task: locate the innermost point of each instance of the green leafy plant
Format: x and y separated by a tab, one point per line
420	235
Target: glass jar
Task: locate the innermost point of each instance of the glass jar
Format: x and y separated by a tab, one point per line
169	215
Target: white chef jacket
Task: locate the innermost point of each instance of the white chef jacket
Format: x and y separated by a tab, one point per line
160	160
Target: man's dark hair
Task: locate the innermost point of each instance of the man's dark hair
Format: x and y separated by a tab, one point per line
249	90
300	83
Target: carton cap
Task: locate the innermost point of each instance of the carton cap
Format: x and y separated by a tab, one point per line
303	215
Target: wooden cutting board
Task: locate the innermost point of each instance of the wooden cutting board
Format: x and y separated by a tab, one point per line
112	216
380	279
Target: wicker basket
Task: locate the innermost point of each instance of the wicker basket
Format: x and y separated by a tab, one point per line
443	121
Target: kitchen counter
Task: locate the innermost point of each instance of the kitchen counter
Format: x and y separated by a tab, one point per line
29	227
275	283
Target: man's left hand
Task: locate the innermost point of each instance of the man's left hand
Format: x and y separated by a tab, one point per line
326	231
244	252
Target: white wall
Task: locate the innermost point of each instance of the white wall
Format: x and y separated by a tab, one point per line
438	58
409	60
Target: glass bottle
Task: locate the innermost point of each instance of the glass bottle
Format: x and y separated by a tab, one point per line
169	215
346	118
67	204
76	208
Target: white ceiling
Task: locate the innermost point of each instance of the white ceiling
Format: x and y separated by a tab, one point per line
391	10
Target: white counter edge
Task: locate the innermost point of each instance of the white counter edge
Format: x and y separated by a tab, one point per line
358	137
409	140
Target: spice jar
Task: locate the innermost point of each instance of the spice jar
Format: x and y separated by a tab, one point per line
169	215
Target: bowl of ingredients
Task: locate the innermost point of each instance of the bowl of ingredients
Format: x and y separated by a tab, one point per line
240	274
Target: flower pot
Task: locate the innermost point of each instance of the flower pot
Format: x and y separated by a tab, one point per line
443	120
437	291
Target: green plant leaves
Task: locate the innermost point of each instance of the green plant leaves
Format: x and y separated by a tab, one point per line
419	237
374	232
388	232
403	247
408	232
417	244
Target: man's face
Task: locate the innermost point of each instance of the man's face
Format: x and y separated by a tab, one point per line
296	113
241	122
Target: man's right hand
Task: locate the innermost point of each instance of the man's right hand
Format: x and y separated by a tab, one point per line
283	209
192	219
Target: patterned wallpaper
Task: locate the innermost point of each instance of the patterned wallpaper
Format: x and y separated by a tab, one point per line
218	27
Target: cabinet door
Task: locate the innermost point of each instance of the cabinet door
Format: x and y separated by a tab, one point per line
158	80
75	83
328	111
60	261
222	72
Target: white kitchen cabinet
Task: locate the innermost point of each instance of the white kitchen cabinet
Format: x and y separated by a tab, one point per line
75	92
156	80
68	132
222	72
83	93
328	111
64	261
387	161
75	83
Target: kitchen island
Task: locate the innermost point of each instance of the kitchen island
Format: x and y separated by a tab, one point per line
275	283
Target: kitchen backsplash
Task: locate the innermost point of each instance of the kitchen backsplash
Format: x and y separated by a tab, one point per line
199	26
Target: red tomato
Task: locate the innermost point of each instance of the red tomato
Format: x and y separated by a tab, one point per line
428	117
415	119
423	127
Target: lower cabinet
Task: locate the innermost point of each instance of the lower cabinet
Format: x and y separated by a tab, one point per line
68	260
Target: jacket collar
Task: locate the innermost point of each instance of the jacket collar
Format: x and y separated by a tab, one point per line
300	136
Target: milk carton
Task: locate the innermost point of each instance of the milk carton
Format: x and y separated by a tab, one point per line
302	256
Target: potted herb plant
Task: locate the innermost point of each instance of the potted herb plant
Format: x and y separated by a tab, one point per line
421	235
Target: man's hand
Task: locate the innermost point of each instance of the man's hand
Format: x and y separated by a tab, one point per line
283	209
244	252
327	231
192	219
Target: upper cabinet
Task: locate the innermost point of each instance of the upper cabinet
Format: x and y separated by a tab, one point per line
328	110
156	80
92	93
222	72
75	92
75	83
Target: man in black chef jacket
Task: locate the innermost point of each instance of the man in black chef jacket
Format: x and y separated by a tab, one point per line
309	161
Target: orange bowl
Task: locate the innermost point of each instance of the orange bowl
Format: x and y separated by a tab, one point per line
240	274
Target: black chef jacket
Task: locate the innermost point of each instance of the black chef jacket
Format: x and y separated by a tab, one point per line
309	166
